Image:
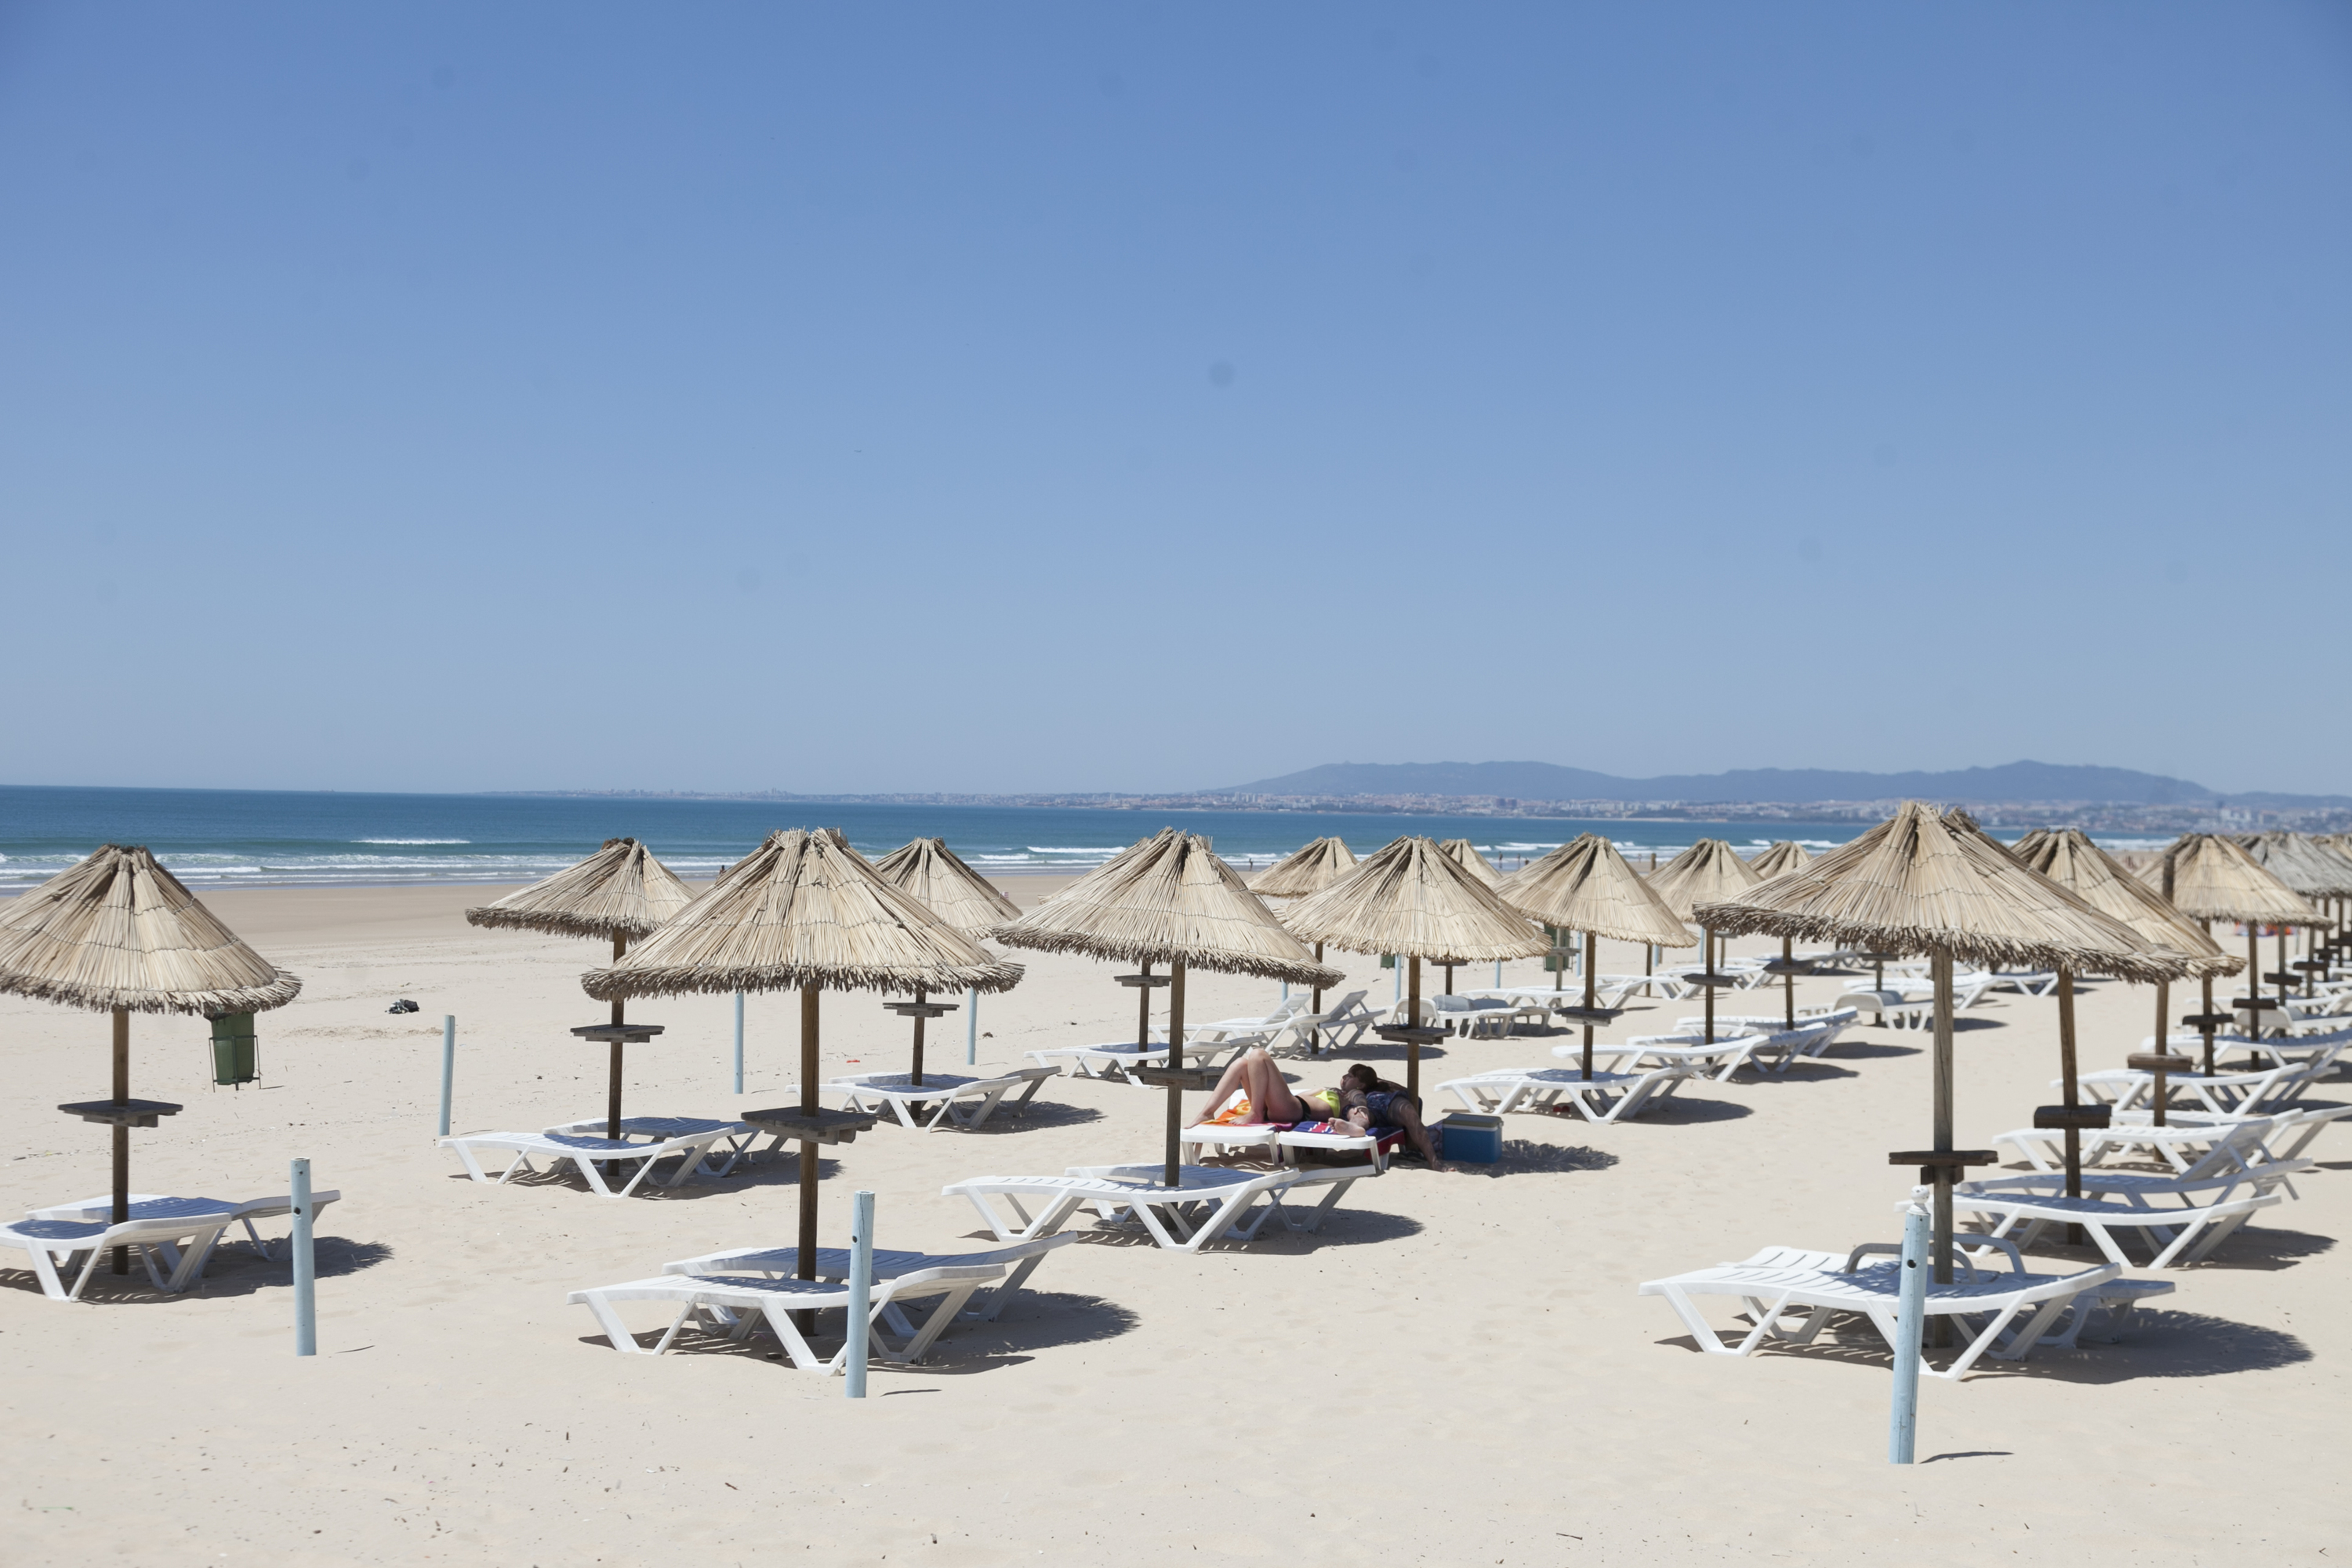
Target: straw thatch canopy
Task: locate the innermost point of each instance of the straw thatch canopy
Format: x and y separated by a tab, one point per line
119	930
1587	885
1415	899
1309	870
2215	878
2305	864
620	891
1921	881
803	908
1707	872
927	869
1163	899
1464	854
2068	857
1788	855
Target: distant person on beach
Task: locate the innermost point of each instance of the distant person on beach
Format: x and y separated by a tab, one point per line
1364	1100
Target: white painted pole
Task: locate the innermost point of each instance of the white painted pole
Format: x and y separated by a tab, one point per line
1910	1325
448	1066
306	1274
972	1026
1396	985
738	1042
861	1286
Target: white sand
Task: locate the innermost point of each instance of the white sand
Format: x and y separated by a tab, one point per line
1457	1370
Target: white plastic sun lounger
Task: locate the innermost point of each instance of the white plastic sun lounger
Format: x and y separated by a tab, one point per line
2175	1234
1730	1050
1116	1061
170	1268
1260	1029
1320	1031
2191	1146
1277	1143
732	1304
1603	1097
1022	1258
1818	1286
584	1151
942	1098
1207	1203
735	1138
151	1205
1614	988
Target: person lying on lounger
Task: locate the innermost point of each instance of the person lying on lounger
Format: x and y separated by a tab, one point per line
1364	1100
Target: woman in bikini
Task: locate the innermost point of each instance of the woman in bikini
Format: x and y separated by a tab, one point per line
1365	1099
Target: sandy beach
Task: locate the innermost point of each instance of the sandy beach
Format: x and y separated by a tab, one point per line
1456	1369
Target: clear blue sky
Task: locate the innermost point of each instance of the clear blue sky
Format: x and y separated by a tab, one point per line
1004	398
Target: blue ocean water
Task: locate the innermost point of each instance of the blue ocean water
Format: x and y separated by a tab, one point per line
258	837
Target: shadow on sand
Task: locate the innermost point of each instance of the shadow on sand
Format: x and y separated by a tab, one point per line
234	1269
1039	1321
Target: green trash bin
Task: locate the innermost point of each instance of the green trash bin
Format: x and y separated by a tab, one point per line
233	1053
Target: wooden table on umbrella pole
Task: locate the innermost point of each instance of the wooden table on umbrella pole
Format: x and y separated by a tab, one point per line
616	1035
1178	1081
1711	982
1788	969
812	1129
1144	985
1940	1168
122	1114
921	1012
2206	1023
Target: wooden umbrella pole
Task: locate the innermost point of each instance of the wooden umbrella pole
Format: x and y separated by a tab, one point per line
2205	1024
918	1037
1706	951
121	1260
1314	999
1940	965
1175	1060
807	1270
2067	1090
1143	1012
1591	963
1559	961
1787	986
1413	1018
613	1070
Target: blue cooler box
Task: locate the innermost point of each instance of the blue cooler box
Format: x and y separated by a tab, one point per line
1476	1139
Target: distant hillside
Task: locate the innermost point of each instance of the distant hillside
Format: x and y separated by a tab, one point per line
2012	781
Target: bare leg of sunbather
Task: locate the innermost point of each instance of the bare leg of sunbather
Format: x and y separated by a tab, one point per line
1408	1116
1254	1073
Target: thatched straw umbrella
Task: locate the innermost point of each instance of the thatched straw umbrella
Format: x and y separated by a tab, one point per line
1708	873
1309	869
621	893
1787	855
1775	860
118	933
804	912
2315	870
2068	857
1586	886
1415	901
1168	900
930	872
2208	877
1922	881
1464	854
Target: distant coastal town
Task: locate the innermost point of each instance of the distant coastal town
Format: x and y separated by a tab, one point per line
2111	816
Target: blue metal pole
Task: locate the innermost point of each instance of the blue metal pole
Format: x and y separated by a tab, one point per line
861	1285
306	1293
738	1042
448	1066
1910	1325
972	1026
